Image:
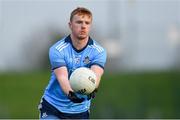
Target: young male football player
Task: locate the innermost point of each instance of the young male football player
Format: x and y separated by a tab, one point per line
76	50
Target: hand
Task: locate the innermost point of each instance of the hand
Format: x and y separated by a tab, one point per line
92	95
73	97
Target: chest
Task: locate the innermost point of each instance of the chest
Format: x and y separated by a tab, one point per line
75	60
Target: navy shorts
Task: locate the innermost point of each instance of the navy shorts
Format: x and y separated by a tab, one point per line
47	111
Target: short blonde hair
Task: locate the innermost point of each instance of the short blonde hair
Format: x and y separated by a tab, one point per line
80	11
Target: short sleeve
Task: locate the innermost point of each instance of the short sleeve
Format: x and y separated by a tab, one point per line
56	58
99	59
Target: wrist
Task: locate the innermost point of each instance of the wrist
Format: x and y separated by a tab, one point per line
96	90
70	93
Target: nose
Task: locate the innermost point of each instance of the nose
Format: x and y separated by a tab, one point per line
83	25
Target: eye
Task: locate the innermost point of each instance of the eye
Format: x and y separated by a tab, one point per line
87	23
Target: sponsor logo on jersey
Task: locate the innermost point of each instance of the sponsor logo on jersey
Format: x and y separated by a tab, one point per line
77	60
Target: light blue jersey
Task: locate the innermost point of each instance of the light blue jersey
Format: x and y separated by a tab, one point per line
63	53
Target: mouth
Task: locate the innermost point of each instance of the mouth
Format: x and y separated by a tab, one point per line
82	32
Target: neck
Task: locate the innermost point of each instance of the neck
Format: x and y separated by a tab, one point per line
79	43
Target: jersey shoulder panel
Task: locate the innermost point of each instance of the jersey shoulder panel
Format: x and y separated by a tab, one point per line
60	45
97	47
57	54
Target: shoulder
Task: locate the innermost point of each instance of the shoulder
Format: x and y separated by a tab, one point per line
59	45
96	46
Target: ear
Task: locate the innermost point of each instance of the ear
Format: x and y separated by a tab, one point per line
70	25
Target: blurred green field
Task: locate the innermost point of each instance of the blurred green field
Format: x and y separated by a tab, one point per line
124	95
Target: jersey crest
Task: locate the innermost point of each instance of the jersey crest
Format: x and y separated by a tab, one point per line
86	60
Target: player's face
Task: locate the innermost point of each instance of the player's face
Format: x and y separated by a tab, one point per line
80	26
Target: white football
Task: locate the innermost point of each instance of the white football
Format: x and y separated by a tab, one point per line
83	80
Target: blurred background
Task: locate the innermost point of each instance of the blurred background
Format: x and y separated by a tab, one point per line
142	38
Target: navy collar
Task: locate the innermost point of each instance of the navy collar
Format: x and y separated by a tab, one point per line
68	39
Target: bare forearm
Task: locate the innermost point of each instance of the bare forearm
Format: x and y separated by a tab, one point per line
98	80
65	85
99	72
62	77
